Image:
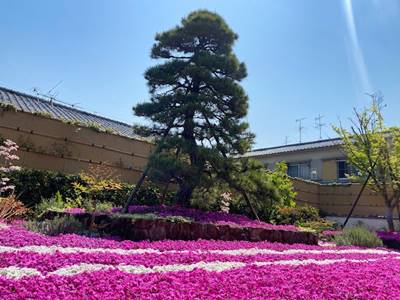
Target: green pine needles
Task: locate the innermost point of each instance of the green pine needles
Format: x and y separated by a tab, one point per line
197	104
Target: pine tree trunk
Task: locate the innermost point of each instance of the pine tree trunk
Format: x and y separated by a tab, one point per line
389	218
184	195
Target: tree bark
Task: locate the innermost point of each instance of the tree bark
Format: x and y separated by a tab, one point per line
389	218
184	194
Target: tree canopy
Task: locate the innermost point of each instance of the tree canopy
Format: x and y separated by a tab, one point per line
374	148
197	104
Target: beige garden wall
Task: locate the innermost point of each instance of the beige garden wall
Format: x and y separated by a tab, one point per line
50	144
54	145
336	200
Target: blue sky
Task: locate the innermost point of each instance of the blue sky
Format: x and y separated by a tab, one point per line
304	57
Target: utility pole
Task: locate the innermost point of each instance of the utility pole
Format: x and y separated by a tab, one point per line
318	125
301	127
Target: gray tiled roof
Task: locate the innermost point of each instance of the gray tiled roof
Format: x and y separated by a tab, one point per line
294	147
32	104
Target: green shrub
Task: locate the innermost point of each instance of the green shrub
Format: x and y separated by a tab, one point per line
104	207
55	203
178	219
267	190
56	226
148	216
296	215
7	107
358	236
318	225
31	186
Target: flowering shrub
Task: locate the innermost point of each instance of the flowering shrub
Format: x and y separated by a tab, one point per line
33	266
7	158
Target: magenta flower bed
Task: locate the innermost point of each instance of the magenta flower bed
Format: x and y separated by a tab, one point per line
33	266
389	235
390	239
75	210
219	218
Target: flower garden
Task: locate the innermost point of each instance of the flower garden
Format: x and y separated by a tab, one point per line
171	252
218	218
34	266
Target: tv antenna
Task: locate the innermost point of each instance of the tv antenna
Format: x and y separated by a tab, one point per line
319	125
301	127
51	94
286	140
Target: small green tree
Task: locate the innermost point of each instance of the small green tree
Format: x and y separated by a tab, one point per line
249	181
197	105
372	147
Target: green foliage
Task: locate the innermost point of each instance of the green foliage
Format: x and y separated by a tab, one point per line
318	226
151	216
296	215
94	126
7	107
104	207
197	105
358	236
268	191
307	217
32	186
43	114
178	219
210	197
148	216
265	190
55	203
56	226
283	185
372	147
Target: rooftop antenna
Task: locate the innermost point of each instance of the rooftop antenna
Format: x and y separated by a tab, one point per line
286	140
318	125
301	127
50	95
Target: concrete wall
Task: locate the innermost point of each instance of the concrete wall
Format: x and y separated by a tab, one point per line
336	200
53	145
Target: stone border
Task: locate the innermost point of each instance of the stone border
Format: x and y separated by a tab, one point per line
163	229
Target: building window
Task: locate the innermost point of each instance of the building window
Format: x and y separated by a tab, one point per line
300	170
344	169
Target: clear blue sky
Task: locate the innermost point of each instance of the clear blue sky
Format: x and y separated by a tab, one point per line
304	58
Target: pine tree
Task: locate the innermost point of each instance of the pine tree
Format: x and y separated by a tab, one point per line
197	105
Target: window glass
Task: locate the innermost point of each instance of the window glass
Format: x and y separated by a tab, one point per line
344	169
301	170
304	171
293	170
